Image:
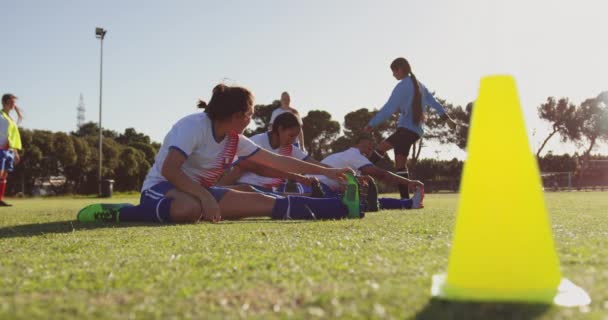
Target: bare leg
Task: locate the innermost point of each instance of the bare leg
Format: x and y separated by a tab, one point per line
238	205
184	207
400	161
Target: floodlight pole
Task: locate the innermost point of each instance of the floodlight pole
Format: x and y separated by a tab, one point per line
100	33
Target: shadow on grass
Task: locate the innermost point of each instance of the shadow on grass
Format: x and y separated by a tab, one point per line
37	229
441	309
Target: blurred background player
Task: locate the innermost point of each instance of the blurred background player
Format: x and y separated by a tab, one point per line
10	141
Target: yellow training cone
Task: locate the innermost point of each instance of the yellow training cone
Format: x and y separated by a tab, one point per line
503	248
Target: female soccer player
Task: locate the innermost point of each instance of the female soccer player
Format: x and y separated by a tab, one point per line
285	130
408	98
286	107
197	150
10	142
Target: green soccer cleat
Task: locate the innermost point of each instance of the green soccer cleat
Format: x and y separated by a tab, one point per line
101	212
351	197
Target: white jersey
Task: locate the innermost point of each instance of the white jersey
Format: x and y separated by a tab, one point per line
263	141
351	158
279	111
206	158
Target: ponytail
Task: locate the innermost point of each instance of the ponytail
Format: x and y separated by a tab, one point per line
417	102
403	64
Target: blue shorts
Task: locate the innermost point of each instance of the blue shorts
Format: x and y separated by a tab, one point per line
7	159
153	194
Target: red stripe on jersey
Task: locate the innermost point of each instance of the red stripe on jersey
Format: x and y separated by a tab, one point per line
223	161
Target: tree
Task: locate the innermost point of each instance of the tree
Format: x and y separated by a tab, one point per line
261	117
131	136
92	129
76	174
319	131
436	127
64	156
561	115
65	153
355	121
131	165
592	117
43	140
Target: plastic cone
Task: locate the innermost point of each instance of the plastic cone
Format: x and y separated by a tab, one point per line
502	248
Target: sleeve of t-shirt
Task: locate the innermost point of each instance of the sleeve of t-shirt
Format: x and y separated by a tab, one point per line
299	154
430	101
246	148
359	162
182	139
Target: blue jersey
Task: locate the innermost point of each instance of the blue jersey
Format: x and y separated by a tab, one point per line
401	100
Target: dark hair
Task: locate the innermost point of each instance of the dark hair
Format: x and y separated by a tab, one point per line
285	120
7	97
226	101
403	64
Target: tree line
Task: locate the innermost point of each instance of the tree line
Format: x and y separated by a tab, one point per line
128	156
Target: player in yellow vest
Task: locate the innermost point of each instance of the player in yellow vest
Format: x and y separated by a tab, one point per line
10	141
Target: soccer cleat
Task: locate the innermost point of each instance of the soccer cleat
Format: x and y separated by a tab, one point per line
351	197
101	212
4	204
417	199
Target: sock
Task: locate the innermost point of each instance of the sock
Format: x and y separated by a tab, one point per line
403	188
376	156
306	208
159	211
2	188
389	203
372	197
281	206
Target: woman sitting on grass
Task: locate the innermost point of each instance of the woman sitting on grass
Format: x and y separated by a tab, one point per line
197	150
280	140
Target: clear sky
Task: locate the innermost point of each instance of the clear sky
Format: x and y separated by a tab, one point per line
159	57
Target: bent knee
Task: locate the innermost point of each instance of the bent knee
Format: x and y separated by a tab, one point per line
185	211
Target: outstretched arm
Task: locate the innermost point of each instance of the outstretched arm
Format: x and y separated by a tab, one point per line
289	164
389	177
262	170
390	107
430	100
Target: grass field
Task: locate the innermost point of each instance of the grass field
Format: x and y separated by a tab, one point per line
378	267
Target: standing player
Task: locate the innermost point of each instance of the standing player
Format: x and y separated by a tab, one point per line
179	188
10	142
409	97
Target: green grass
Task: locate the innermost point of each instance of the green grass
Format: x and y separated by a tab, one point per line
378	267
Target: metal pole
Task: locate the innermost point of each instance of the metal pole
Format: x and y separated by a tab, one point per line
100	128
